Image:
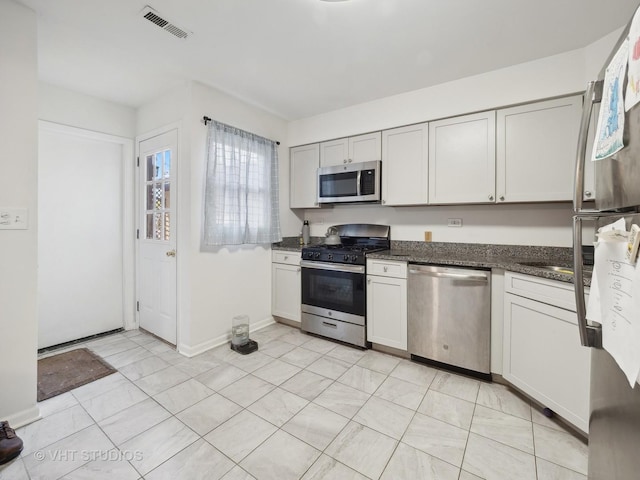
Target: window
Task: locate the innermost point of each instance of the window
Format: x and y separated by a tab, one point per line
241	193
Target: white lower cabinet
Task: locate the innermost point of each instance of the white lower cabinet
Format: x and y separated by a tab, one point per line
387	303
286	285
542	354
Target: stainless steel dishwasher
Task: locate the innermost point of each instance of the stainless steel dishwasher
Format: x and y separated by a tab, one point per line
449	315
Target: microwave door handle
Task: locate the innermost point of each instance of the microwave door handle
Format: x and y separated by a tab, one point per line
358	180
592	95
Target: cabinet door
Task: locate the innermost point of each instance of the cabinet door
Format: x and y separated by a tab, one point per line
543	357
304	176
365	148
462	159
405	165
387	311
285	293
335	152
536	149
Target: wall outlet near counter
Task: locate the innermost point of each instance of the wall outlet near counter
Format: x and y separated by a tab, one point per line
454	222
13	218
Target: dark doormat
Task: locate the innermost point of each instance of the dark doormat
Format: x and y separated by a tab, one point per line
63	372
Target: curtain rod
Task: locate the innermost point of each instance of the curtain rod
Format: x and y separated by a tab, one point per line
208	119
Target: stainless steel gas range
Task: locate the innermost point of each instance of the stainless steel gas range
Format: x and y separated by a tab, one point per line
334	301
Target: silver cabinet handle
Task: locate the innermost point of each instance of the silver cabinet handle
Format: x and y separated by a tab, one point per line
386	269
344	161
591	96
491	197
327	324
456	276
340	267
171	253
587	193
502	198
350	160
384	201
286	257
369	281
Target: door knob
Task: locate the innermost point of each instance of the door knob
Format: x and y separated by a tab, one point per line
171	253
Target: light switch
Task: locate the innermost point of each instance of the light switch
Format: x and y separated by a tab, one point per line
14	218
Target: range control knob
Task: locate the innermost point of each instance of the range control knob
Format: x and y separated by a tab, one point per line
346	258
316	255
354	258
330	256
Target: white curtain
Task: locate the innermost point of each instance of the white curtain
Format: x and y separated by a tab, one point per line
241	193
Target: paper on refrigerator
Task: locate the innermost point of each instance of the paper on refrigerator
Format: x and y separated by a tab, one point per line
614	301
610	128
632	95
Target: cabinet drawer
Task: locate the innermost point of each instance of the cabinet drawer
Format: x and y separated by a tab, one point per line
290	258
552	292
387	268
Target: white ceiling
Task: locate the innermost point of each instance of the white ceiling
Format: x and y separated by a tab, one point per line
298	58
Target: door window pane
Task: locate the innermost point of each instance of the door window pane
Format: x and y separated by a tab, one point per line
167	164
167	195
149	175
157	172
157	226
157	196
167	226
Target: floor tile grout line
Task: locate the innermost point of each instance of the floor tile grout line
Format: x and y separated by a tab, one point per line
333	382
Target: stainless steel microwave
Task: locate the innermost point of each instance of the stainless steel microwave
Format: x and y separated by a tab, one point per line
354	182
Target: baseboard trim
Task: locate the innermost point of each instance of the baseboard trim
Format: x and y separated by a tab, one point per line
20	419
192	351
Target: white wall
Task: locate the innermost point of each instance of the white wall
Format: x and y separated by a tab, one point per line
229	281
540	224
215	285
66	107
18	188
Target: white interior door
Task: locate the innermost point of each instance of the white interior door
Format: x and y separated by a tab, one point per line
157	243
81	231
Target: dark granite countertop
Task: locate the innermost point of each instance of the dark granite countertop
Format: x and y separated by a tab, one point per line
507	257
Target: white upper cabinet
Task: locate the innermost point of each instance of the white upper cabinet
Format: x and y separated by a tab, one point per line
334	152
405	165
362	148
536	149
304	175
462	159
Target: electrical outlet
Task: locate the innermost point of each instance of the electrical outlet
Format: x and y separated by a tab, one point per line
454	222
13	218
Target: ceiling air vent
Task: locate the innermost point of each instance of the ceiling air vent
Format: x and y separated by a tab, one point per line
154	17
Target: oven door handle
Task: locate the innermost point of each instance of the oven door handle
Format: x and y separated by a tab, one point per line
335	267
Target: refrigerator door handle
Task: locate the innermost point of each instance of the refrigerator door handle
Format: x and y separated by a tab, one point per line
592	95
590	335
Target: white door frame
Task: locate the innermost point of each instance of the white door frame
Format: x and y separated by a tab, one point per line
138	220
128	210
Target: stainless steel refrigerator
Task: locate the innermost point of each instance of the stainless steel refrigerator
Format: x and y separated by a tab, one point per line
614	420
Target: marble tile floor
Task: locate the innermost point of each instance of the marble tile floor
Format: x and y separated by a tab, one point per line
299	408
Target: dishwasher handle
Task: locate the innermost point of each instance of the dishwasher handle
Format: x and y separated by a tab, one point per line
415	270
